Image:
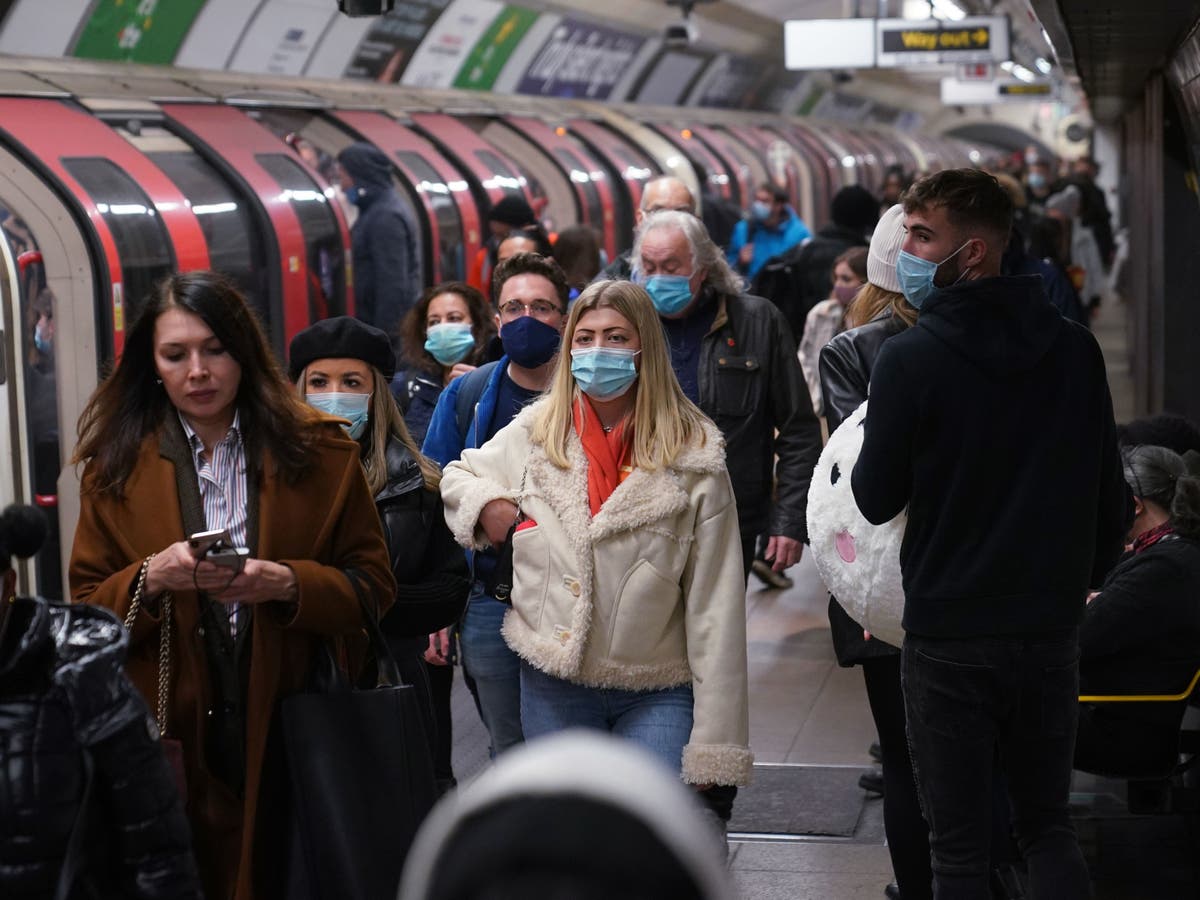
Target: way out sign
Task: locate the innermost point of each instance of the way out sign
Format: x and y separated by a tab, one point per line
922	42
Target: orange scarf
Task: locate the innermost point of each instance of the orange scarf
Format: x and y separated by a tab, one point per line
607	453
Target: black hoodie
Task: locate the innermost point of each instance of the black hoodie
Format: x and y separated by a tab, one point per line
992	421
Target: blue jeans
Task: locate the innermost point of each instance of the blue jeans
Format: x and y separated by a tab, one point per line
660	721
975	703
494	668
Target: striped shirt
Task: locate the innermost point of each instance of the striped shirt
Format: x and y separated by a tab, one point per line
223	492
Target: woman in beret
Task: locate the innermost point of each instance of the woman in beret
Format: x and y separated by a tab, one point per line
344	367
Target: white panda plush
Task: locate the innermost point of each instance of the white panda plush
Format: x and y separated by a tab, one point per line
859	562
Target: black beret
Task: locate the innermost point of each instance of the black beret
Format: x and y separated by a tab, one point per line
342	337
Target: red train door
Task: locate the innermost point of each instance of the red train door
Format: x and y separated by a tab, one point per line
311	234
139	218
592	187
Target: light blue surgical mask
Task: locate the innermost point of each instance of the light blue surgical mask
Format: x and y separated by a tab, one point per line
670	293
354	408
449	342
916	275
604	373
760	210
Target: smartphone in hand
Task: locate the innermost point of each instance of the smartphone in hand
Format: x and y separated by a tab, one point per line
203	541
232	558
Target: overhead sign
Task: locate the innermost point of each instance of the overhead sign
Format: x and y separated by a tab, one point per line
920	42
492	51
580	59
446	45
829	43
964	93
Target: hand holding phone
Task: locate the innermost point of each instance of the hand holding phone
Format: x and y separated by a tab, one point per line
202	542
232	558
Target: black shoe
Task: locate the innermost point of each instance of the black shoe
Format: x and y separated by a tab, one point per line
871	782
876	752
768	576
892	891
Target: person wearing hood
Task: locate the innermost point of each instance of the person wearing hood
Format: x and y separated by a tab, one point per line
385	239
990	416
531	298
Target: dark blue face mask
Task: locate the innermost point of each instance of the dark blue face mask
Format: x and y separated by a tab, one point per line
528	342
355	194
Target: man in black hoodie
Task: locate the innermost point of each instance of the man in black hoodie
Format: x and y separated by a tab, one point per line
385	240
992	422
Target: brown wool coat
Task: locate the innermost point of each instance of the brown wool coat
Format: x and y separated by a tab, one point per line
319	526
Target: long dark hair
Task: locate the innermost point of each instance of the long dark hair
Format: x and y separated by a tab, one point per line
131	404
412	328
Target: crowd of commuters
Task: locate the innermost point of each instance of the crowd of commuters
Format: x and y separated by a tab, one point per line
561	474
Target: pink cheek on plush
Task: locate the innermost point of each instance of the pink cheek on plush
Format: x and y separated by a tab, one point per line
845	546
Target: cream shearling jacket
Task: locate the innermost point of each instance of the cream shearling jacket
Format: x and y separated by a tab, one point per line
648	594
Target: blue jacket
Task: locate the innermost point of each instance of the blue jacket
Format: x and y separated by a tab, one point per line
444	441
767	241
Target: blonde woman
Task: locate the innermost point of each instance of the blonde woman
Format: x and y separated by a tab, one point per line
628	590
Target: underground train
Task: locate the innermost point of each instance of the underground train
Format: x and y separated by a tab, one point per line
112	176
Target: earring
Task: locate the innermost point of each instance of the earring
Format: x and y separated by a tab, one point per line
158	381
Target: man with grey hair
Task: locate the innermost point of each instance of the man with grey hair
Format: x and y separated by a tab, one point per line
663	193
735	356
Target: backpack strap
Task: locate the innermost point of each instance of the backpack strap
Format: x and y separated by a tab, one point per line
469	392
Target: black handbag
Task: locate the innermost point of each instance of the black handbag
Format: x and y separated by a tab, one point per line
361	777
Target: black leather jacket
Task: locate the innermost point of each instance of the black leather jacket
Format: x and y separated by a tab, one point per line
845	368
430	568
73	729
752	387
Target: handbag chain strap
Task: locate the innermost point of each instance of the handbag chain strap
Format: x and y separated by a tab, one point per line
164	640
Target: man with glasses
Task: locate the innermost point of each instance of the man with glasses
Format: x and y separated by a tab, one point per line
531	302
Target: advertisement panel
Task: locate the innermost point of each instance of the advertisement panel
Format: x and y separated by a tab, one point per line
580	60
392	40
731	82
438	60
41	27
490	53
669	77
282	36
146	31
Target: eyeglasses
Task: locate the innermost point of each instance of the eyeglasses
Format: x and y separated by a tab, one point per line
539	309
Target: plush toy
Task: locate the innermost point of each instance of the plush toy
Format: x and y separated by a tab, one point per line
859	562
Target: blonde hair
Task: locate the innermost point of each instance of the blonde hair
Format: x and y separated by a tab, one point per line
665	421
386	422
871	300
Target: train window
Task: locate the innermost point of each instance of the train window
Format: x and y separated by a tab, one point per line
235	245
503	176
142	242
326	263
582	179
449	220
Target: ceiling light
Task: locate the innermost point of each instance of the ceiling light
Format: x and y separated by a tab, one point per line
1043	65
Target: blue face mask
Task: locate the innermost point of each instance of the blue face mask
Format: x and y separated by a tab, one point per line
604	373
355	408
670	293
1037	180
916	275
354	194
760	210
449	342
40	340
528	342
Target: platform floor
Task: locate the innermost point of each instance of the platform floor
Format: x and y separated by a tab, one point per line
805	710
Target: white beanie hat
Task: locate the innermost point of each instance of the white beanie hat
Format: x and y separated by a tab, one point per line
885	247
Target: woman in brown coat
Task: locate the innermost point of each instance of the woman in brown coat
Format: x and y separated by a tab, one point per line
197	430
